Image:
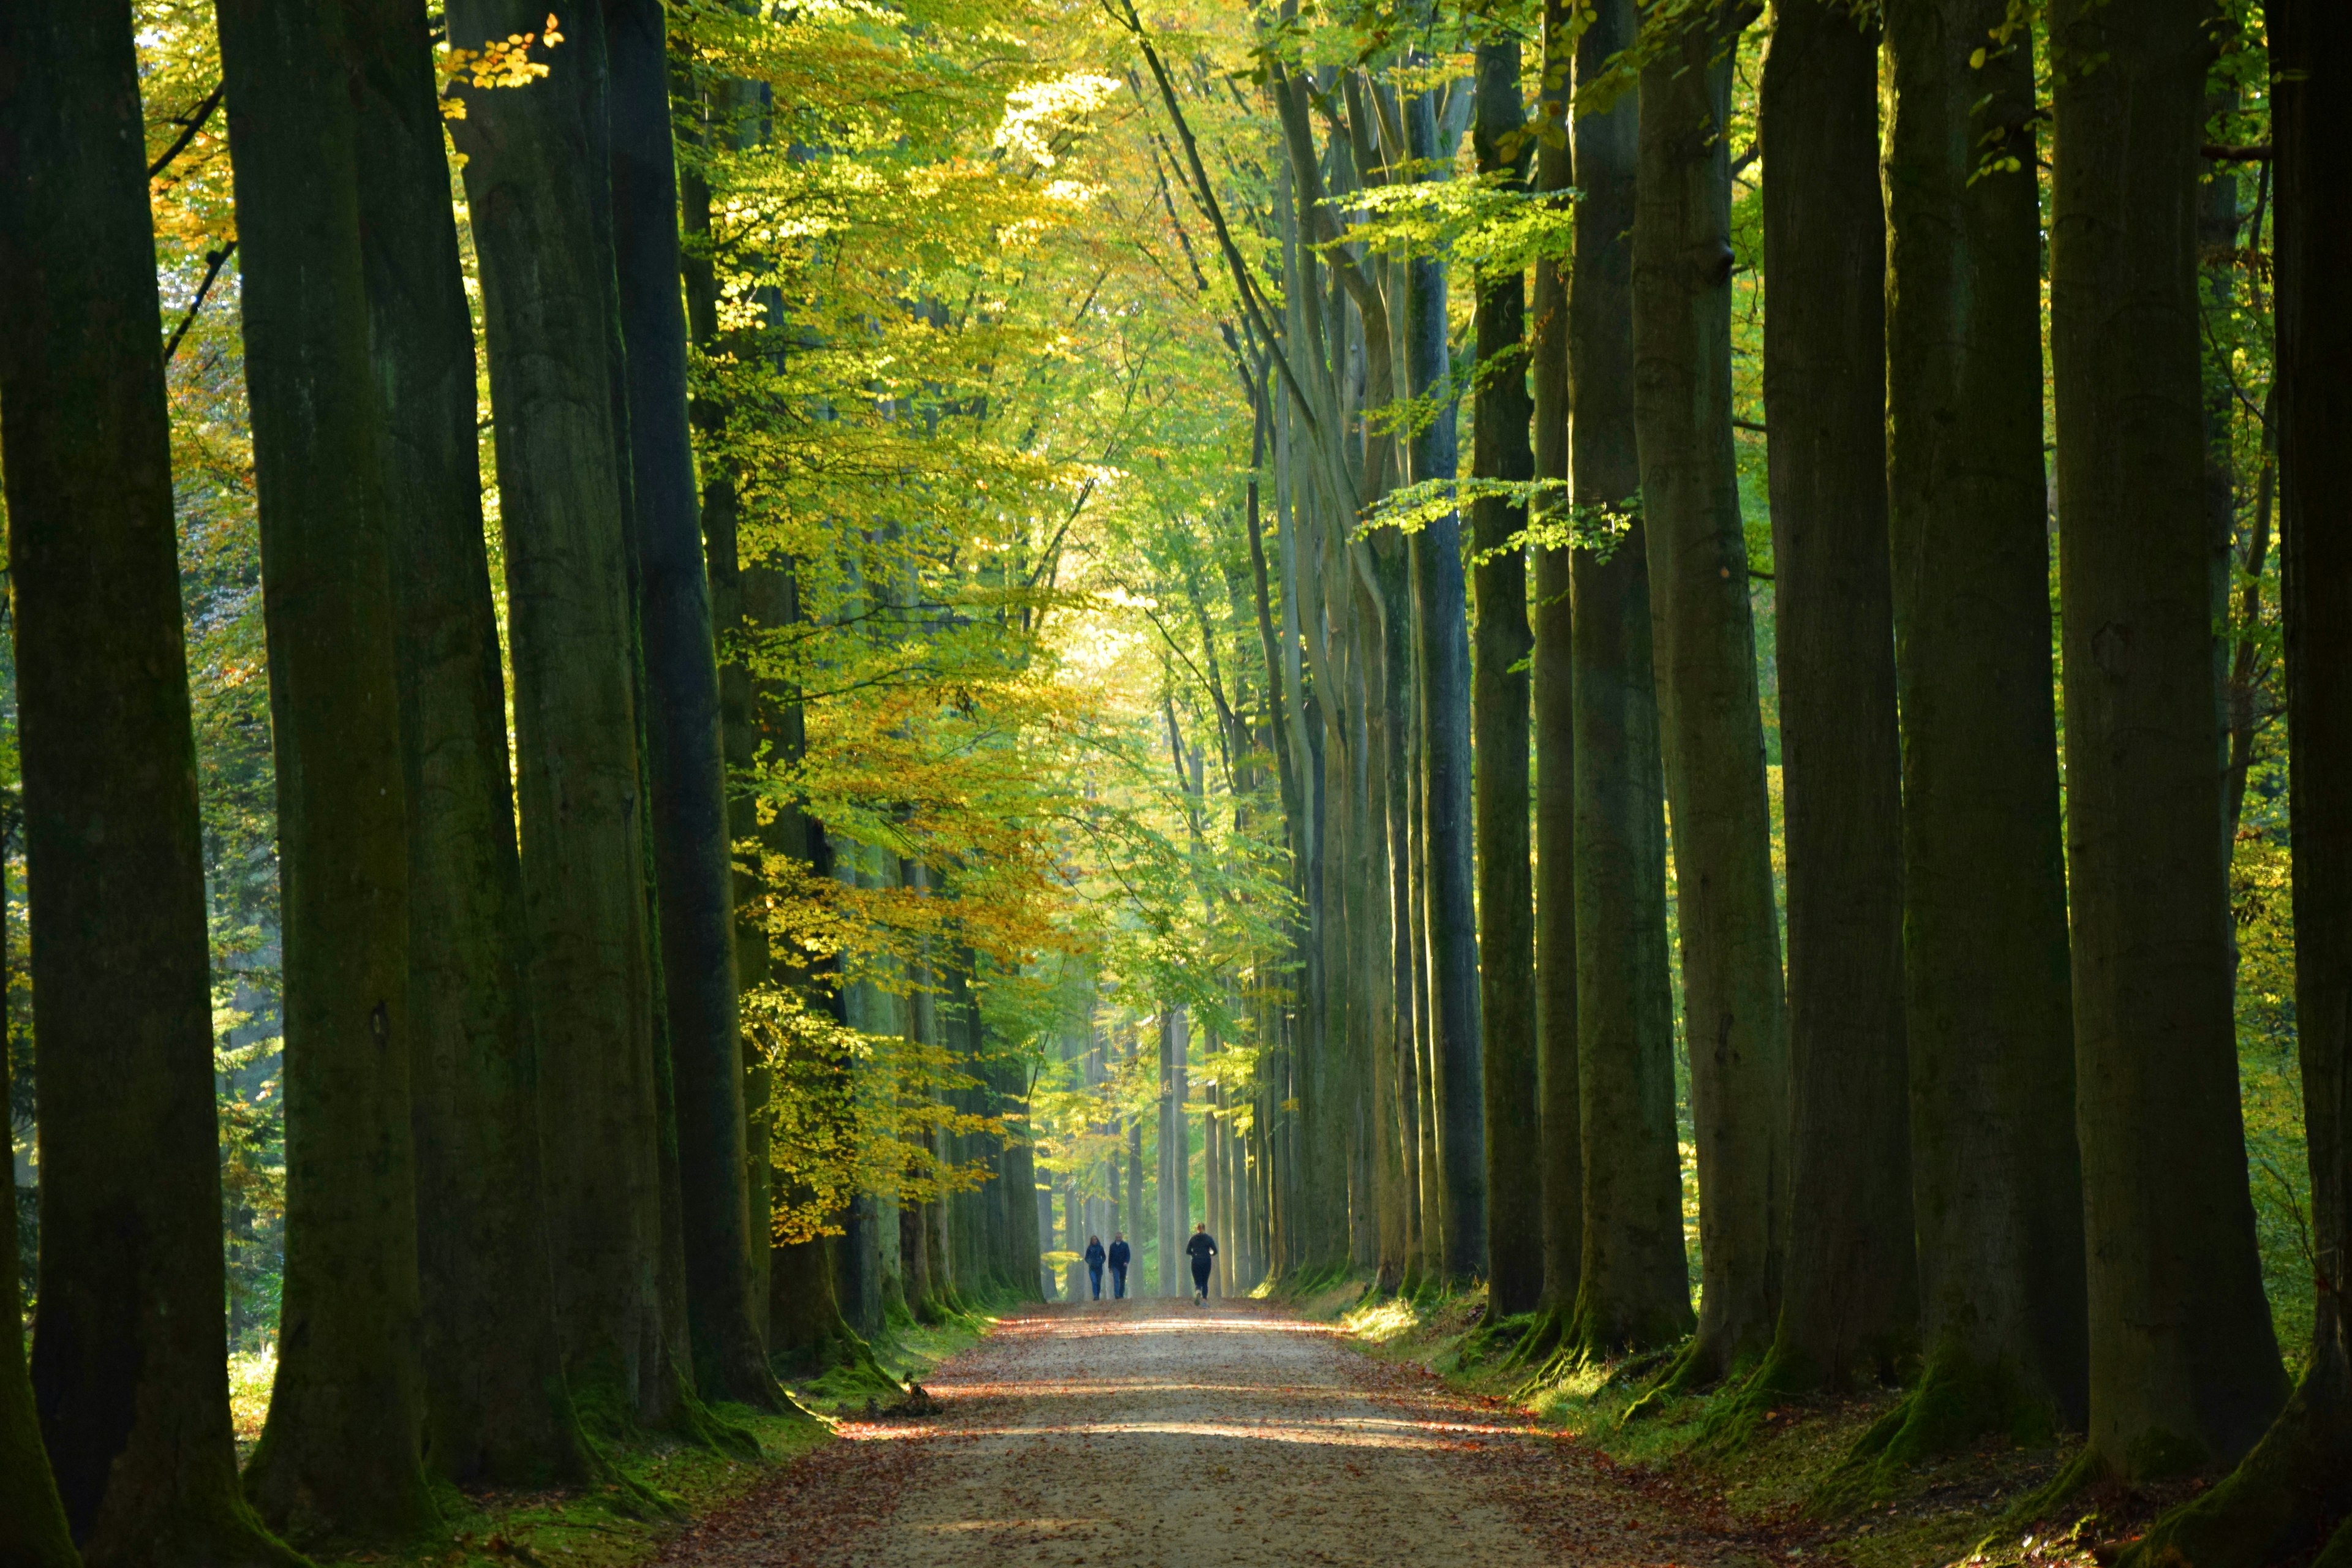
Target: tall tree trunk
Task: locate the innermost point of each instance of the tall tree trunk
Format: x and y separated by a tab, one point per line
1553	696
1390	566
496	1409
1996	1181
339	1457
1439	616
693	866
550	307
128	1381
1849	1305
1710	720
2185	1371
1498	716
1634	1289
2294	1487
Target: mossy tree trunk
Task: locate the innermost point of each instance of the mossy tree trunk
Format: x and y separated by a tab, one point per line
693	868
2184	1368
339	1460
497	1411
1553	696
1849	1304
1710	720
1498	716
1633	1287
128	1384
1996	1179
2295	1486
549	312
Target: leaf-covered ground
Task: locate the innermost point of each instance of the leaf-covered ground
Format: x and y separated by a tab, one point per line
1161	1435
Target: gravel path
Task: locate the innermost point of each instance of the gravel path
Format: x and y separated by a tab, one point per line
1161	1435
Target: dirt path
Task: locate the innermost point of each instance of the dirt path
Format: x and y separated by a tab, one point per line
1159	1435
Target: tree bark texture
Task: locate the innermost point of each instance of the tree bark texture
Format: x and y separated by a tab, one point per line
549	313
496	1409
1553	696
693	866
1849	1304
1633	1289
338	1459
1710	721
2184	1371
2296	1488
1439	616
1995	1176
1498	716
128	1384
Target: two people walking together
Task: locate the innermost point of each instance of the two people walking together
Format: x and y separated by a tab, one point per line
1202	1248
1118	1258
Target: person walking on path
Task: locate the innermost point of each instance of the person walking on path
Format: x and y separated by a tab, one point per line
1095	1262
1120	1254
1202	1248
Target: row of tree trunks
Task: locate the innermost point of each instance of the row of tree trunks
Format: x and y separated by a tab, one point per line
550	303
497	1408
693	870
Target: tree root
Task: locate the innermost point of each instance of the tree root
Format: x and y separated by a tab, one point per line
1954	1403
2291	1492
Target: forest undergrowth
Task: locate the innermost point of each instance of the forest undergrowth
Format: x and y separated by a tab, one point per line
1783	1477
659	1483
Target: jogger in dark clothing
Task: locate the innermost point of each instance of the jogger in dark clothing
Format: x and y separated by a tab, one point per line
1093	1264
1119	1253
1202	1248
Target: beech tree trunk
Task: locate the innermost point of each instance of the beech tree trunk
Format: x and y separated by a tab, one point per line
339	1460
1850	1302
550	315
1633	1289
2184	1371
1996	1181
1553	693
2294	1487
1438	620
496	1410
1499	713
1711	723
128	1381
693	866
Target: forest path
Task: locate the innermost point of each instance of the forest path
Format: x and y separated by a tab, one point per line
1153	1434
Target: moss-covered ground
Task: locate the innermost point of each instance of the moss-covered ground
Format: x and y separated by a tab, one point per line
659	1483
1778	1476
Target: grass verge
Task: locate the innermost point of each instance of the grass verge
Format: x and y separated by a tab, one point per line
1772	1478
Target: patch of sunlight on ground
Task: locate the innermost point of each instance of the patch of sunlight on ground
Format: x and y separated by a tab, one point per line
250	1375
1378	1322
